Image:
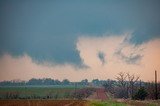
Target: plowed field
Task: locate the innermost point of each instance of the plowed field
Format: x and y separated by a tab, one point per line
43	103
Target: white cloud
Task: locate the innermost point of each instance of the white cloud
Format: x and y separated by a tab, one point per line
115	48
121	55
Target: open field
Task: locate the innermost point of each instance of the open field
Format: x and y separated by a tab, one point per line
63	96
125	103
38	92
141	103
44	103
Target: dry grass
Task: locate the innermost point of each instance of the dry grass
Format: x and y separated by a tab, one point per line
140	103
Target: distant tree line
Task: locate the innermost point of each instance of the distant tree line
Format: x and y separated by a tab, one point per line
49	81
34	81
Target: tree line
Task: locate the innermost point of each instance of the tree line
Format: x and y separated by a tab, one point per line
49	81
126	85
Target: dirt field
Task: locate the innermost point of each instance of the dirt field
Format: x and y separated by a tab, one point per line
43	103
101	94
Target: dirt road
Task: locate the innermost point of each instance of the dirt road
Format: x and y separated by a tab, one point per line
101	94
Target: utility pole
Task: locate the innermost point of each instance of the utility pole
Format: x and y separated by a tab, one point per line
140	84
156	93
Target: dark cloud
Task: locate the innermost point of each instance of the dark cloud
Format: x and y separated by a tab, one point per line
49	30
101	56
132	58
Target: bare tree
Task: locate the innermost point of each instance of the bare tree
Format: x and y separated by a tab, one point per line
122	79
132	79
127	82
122	91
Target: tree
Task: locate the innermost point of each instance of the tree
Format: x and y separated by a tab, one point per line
48	81
122	91
84	82
35	81
122	79
65	82
57	82
95	82
132	79
141	94
127	82
109	86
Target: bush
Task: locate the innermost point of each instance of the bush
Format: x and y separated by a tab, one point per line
141	94
120	93
82	93
12	95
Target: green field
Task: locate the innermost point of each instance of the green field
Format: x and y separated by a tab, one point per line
107	103
38	92
125	103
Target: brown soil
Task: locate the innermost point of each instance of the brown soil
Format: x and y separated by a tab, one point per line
100	94
43	103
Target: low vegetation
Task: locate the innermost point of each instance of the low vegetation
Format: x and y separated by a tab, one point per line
107	103
61	92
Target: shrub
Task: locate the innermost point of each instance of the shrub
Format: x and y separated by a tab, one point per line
140	94
120	93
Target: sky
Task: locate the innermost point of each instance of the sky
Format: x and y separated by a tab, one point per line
79	39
